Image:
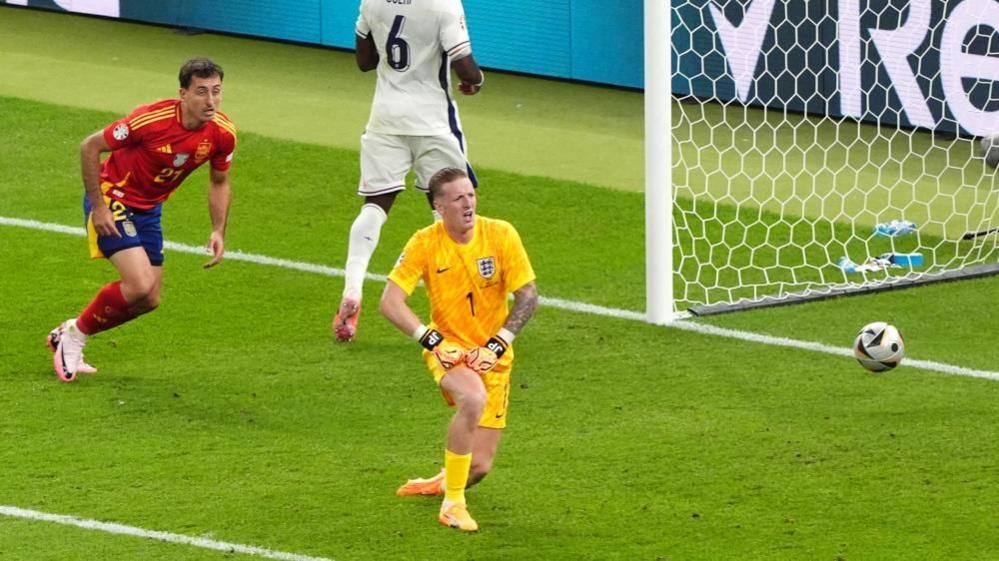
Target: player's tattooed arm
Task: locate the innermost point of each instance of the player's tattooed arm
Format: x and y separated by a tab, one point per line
525	301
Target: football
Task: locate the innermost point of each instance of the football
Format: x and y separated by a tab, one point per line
879	347
990	149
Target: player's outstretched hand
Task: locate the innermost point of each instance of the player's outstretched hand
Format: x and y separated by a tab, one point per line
216	245
104	222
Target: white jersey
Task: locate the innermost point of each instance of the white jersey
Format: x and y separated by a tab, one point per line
416	41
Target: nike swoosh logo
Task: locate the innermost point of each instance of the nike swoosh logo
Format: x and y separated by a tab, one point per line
498	416
439	271
65	370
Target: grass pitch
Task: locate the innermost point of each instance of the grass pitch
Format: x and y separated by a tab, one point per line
814	181
228	412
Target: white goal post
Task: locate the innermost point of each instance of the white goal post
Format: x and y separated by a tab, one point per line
658	188
803	149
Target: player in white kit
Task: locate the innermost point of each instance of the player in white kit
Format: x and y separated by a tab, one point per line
414	122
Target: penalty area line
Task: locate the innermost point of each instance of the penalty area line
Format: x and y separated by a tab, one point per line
112	528
569	305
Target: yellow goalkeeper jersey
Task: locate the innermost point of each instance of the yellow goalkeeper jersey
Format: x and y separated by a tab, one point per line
468	284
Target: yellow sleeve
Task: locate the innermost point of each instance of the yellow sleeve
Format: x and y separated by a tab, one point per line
411	265
517	270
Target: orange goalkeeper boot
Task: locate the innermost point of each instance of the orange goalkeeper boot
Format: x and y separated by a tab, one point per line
431	486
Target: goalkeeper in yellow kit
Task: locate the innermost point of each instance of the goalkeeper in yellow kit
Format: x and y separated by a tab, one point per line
469	264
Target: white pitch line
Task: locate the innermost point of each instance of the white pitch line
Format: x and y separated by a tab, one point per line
122	529
940	367
569	305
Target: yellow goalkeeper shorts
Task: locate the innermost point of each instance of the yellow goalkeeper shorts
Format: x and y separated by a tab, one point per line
497	382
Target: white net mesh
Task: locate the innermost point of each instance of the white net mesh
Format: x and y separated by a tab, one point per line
799	126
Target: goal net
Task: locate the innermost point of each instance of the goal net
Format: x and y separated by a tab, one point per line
823	147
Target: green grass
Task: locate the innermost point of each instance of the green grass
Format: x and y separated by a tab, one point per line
726	253
839	171
824	197
288	188
771	200
297	444
317	95
735	249
228	412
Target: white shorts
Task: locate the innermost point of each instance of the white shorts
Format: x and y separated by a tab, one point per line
387	158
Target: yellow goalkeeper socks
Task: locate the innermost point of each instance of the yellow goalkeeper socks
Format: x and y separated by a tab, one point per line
456	468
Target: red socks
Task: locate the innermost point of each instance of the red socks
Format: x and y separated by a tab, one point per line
108	309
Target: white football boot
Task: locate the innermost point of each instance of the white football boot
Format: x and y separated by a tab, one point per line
68	356
52	342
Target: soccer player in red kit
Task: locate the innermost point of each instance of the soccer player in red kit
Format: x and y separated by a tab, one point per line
152	151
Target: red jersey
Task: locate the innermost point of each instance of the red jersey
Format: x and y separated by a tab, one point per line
152	152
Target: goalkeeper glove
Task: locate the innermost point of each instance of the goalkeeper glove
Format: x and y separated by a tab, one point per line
483	359
448	354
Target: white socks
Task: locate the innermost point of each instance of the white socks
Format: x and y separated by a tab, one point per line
73	331
364	235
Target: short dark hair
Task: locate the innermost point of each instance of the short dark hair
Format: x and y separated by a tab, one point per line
442	177
200	67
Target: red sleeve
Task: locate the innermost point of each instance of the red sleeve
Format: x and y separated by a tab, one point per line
222	158
120	134
129	131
